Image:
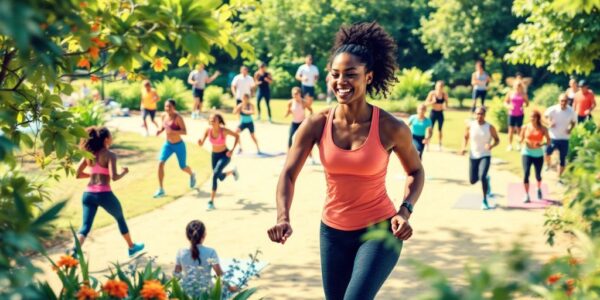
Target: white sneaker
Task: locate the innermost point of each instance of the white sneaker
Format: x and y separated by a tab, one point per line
518	147
509	148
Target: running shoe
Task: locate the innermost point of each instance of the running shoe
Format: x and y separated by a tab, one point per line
539	194
526	199
236	174
518	147
485	205
136	249
239	151
509	148
159	193
192	180
211	206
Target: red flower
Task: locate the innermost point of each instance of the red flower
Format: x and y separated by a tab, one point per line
570	286
552	279
98	42
83	63
94	78
95	27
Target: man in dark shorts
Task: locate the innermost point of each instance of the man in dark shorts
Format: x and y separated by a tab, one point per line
199	78
562	119
308	75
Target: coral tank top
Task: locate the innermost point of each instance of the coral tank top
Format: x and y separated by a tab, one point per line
356	193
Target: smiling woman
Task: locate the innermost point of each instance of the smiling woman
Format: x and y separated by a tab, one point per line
355	141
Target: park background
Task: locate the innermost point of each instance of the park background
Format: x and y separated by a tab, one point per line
50	49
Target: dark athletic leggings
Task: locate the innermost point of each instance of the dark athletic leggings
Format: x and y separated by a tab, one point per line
537	163
353	269
293	128
219	162
106	200
478	170
266	94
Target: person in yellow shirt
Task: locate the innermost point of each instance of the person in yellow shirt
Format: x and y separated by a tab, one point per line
148	105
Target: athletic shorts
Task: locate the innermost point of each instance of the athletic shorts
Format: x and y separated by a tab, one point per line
515	121
249	125
148	112
199	93
178	148
563	149
308	90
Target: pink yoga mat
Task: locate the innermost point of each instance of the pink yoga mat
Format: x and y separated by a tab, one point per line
516	194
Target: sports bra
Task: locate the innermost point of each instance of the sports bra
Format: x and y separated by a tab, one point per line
173	124
219	140
439	100
100	170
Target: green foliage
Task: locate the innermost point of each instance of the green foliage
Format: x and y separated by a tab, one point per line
461	92
213	97
173	88
24	226
499	115
283	81
578	138
128	94
464	29
412	82
547	95
88	113
409	105
562	35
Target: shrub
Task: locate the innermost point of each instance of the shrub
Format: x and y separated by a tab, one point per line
172	88
89	113
579	135
128	94
213	97
412	82
461	92
283	82
409	105
499	115
547	94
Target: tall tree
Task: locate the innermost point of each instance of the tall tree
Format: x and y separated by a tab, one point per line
562	35
464	29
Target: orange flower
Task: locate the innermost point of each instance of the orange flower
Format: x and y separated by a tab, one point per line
87	293
98	42
552	279
116	288
83	4
94	78
83	63
94	52
574	261
570	286
153	289
95	27
67	261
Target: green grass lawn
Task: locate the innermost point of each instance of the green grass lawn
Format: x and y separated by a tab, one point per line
135	190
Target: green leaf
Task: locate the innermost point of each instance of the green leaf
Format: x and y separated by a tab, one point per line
49	215
245	294
182	61
194	43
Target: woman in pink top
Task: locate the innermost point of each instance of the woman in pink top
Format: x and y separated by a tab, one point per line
515	101
355	141
221	155
98	192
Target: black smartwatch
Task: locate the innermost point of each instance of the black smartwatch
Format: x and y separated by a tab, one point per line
408	206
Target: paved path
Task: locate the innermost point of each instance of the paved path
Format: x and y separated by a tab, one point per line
444	237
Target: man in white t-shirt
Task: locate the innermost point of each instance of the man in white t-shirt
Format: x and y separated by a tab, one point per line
199	78
242	84
562	119
308	75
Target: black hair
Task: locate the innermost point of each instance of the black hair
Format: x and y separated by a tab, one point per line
172	101
518	74
195	231
220	118
374	47
95	139
481	61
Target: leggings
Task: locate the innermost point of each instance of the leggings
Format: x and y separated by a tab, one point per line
478	170
437	116
293	130
219	161
417	141
478	94
106	200
353	269
263	94
537	163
